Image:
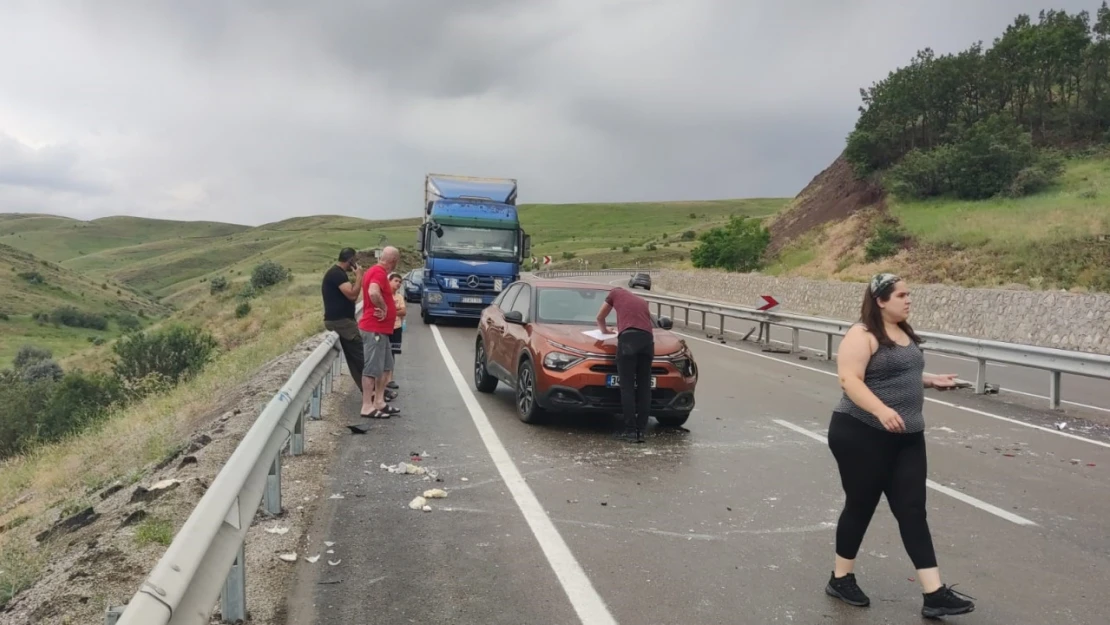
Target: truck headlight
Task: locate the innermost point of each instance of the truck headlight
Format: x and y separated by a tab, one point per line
558	361
434	297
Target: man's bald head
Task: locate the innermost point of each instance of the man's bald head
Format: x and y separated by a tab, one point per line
389	257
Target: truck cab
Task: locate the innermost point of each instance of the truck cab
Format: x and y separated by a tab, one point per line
472	244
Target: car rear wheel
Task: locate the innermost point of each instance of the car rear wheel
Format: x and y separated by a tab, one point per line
526	407
672	422
483	381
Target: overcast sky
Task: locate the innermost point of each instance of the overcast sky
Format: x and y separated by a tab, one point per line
252	111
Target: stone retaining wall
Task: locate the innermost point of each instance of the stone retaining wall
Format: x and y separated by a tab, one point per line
1077	321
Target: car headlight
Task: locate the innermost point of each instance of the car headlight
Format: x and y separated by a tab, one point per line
558	361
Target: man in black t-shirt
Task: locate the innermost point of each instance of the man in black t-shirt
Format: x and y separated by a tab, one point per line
339	295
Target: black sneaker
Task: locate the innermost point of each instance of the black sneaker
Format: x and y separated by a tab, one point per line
847	590
626	434
946	602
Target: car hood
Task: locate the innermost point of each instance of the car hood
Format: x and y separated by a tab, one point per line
666	342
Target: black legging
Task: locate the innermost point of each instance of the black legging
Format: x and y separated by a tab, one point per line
873	462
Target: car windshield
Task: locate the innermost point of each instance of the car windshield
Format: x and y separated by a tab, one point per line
477	243
568	305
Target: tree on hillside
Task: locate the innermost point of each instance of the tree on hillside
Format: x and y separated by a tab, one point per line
737	246
1047	80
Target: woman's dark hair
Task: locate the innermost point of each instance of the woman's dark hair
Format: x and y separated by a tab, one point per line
871	315
395	275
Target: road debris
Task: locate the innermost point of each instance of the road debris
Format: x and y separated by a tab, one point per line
418	503
435	493
280	531
288	557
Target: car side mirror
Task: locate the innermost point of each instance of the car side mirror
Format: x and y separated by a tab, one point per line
514	316
665	322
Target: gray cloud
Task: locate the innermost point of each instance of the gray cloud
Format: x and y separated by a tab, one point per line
256	111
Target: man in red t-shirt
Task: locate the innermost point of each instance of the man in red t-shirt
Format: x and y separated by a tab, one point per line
376	325
635	351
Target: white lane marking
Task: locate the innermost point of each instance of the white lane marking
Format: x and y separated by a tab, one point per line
929	399
951	492
588	604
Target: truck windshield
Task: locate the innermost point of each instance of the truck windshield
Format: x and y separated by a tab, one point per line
478	243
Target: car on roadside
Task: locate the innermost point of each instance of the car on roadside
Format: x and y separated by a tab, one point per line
533	339
411	284
642	280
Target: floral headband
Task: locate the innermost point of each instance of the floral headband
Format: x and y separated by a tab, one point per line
882	282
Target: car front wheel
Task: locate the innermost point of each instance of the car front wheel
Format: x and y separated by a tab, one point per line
526	407
483	381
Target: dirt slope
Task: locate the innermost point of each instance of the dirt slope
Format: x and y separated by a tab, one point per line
833	195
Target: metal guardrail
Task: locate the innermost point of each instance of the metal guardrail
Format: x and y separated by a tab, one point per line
1055	361
592	272
205	562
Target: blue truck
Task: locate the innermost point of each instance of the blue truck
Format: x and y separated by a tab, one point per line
472	244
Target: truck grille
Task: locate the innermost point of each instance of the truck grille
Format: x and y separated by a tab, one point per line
485	283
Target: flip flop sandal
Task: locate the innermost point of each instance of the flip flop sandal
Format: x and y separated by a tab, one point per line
390	411
377	414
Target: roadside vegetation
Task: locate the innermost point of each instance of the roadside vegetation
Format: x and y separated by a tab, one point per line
995	162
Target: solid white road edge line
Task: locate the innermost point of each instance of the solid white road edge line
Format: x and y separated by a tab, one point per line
588	604
955	494
930	399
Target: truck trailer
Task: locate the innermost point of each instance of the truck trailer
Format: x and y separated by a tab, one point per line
472	243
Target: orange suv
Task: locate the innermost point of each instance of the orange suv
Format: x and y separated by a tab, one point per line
532	338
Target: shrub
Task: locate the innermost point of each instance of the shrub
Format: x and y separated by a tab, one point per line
624	249
650	247
689	235
128	322
243	309
269	273
4	316
738	246
217	285
74	318
29	355
79	400
885	241
32	277
175	353
22	402
42	371
568	255
248	291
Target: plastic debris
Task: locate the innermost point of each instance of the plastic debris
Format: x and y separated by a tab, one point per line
277	530
418	503
435	493
337	496
334	563
288	557
313	559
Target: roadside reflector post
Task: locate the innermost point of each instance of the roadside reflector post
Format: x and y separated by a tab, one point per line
794	342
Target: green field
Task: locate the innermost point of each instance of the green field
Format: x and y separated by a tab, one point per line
131	264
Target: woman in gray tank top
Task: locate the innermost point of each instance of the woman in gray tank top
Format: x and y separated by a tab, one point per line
877	435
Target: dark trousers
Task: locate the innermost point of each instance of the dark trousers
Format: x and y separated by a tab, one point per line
874	462
635	351
350	339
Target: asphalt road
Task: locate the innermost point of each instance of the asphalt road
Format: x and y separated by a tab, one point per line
1080	395
729	521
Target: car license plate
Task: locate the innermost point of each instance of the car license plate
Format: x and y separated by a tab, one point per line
615	380
472	300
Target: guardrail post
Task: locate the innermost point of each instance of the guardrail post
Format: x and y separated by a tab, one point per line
828	346
233	599
687	318
1054	390
112	614
794	340
296	446
981	377
272	497
722	325
327	381
315	403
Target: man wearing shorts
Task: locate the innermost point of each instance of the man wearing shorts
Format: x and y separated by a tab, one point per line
339	295
379	312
